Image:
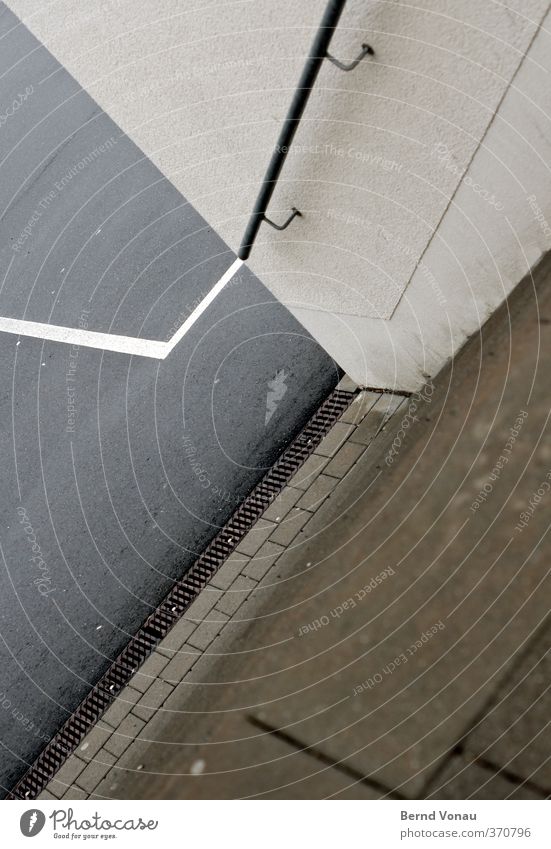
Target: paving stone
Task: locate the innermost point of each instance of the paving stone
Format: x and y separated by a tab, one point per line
516	733
93	741
66	775
346	384
359	407
463	779
256	537
149	671
204	602
229	570
180	664
377	418
75	793
107	788
236	595
134	758
208	666
129	728
122	706
176	638
317	493
308	472
205	670
336	437
282	504
90	777
206	632
344	459
263	560
260	766
54	789
152	700
286	532
46	796
130	762
129	767
390	402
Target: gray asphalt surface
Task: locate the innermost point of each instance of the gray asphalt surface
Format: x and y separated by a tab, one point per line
116	470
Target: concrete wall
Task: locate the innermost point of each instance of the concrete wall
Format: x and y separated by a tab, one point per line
414	192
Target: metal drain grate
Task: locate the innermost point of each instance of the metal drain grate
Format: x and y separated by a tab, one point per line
183	593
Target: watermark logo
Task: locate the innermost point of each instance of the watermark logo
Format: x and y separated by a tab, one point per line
539	216
16	105
425	395
347	604
276	391
400	659
537	496
446	159
32	822
501	462
65	821
43	581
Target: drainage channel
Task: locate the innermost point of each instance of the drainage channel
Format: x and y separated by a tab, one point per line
180	597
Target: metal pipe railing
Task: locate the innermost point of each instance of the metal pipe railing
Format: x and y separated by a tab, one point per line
318	52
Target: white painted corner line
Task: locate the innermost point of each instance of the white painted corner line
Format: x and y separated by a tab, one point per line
200	309
108	341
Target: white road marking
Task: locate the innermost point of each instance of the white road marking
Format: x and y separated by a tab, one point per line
86	338
200	309
108	341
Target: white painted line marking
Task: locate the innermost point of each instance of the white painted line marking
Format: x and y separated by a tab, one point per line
208	299
86	338
110	342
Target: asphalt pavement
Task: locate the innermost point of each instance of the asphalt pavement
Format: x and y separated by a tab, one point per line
117	470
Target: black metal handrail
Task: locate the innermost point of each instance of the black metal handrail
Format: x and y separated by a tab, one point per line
318	52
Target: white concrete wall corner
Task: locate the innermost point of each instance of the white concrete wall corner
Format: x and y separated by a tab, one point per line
495	231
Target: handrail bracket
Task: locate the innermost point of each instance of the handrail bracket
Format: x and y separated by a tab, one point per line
285	224
367	50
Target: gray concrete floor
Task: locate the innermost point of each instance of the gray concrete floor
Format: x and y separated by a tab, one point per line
366	706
